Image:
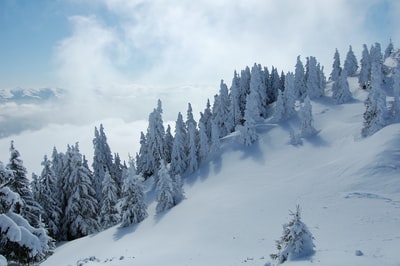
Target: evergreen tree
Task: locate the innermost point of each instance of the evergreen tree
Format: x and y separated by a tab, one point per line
395	108
48	198
376	110
109	215
244	84
143	158
155	139
102	161
178	155
215	140
80	212
279	113
273	91
336	69
350	64
204	146
193	163
133	206
306	118
221	110
365	68
258	91
166	190
169	142
248	133
299	80
312	82
20	242
340	89
236	113
289	95
206	118
296	241
29	208
321	78
389	50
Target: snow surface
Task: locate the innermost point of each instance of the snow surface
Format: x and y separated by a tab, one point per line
348	188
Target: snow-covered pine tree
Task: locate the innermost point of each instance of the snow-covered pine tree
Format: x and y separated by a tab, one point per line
236	113
375	115
306	119
155	139
258	92
350	63
321	78
299	80
221	111
248	133
109	215
289	95
312	81
365	68
133	206
80	212
102	161
204	146
178	155
273	91
30	208
48	198
389	50
340	89
279	113
395	108
143	158
244	84
192	139
215	139
336	69
206	118
168	143
117	168
20	242
165	190
296	242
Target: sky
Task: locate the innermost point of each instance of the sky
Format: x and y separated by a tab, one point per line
106	44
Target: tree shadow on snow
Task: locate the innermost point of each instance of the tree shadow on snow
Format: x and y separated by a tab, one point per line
123	231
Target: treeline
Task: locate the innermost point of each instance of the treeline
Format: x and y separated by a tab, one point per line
70	199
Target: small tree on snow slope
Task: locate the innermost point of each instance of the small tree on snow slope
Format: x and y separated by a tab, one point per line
296	241
307	128
169	190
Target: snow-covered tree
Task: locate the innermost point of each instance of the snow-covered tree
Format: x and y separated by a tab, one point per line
155	139
306	119
244	84
206	118
273	90
166	189
336	69
321	78
133	206
81	206
340	89
258	91
236	113
215	140
48	198
29	208
350	64
178	155
143	158
289	95
192	139
109	215
102	161
312	81
296	242
299	80
168	143
279	113
365	68
221	111
395	108
20	242
204	146
375	115
248	133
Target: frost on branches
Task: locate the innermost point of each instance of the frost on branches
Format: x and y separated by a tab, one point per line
296	241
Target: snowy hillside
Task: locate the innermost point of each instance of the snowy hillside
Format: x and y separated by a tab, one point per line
30	95
348	188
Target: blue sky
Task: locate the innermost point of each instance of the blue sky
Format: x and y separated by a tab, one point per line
107	43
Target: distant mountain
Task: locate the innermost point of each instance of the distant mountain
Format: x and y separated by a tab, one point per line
30	95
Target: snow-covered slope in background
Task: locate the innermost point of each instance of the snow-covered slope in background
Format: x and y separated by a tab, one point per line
348	188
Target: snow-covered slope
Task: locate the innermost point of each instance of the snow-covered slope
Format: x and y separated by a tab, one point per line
348	188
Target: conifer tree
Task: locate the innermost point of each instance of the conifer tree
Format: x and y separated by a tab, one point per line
192	138
321	78
204	145
312	81
306	118
166	190
206	118
80	212
143	158
248	133
258	91
244	84
289	95
168	143
48	198
215	140
395	108
296	242
350	64
340	89
29	208
273	91
221	111
365	68
376	111
109	215
178	155
20	242
133	206
236	113
299	80
336	69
